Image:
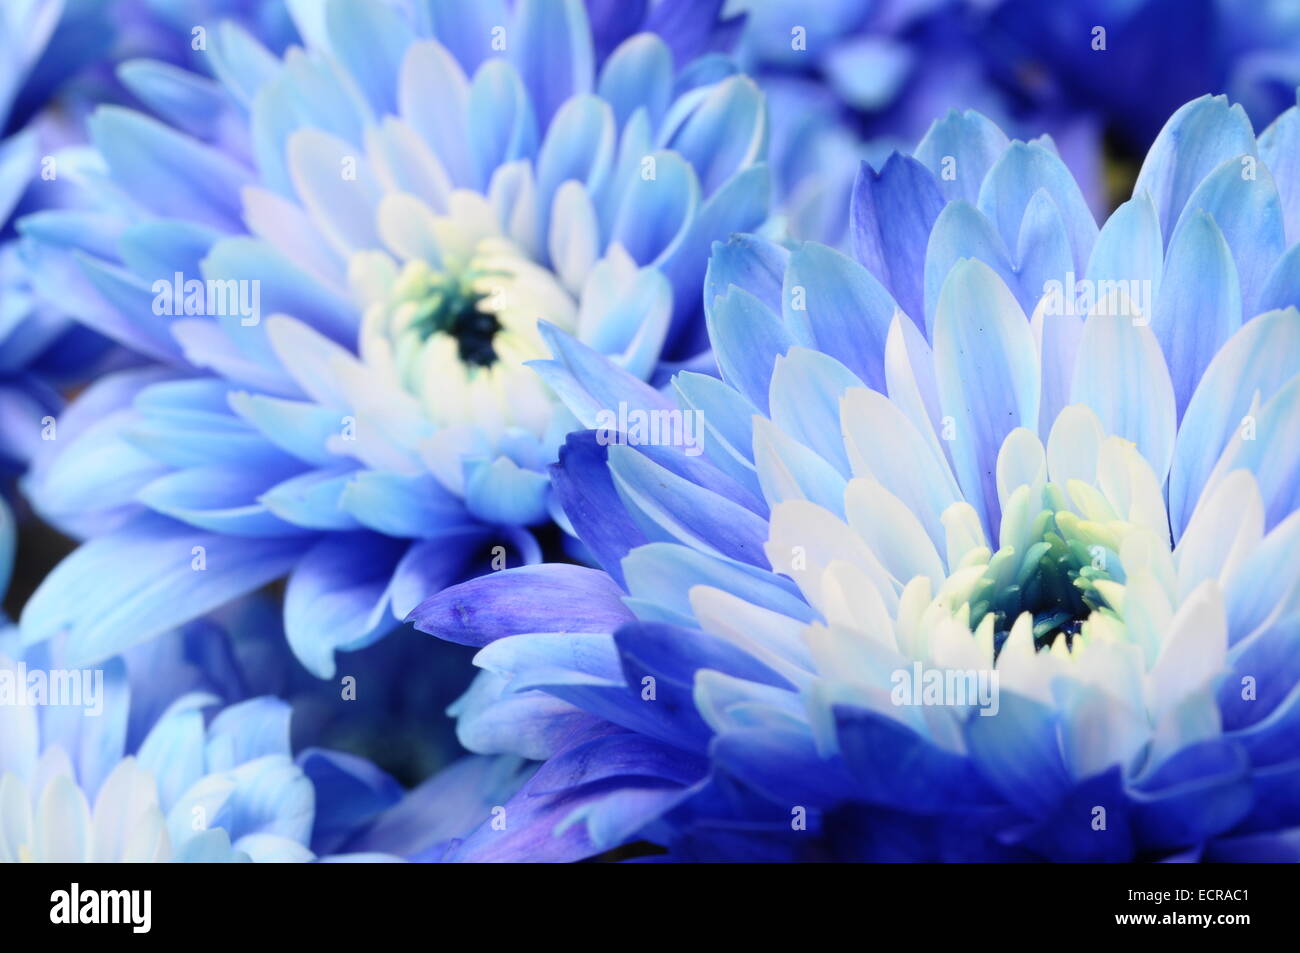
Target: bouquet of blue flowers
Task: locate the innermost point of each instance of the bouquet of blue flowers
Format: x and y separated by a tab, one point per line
547	430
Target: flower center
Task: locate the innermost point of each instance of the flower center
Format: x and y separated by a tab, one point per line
1053	583
1054	579
447	304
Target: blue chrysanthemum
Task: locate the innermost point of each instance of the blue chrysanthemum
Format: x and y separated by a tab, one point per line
159	755
55	65
338	261
986	555
42	44
866	78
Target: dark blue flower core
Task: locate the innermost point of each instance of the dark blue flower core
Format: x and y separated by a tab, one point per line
1055	583
453	307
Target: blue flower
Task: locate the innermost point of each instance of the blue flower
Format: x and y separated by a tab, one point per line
84	778
42	44
158	755
863	79
172	752
1089	56
54	65
985	556
336	262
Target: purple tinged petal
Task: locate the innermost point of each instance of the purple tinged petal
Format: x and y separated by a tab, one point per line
833	304
891	214
170	173
337	597
585	492
551	48
548	598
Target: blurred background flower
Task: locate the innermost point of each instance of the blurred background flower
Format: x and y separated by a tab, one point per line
852	79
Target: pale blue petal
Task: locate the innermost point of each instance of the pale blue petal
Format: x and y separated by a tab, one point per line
1120	373
466	28
433	98
987	369
1282	290
1129	247
501	491
1042	251
638	74
833	304
1279	147
728	426
404	505
138	582
502	124
750	262
747	338
169	172
1196	139
805	401
1249	213
312	499
1259	357
1200	306
663	574
725	133
369	40
551	48
247	731
960	149
657	208
1020	172
962	231
191	102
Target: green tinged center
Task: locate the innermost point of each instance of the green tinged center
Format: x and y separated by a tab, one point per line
1054	581
449	305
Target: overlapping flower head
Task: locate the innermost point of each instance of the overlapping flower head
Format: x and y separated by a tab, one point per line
39	344
160	755
337	262
986	552
866	78
69	792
